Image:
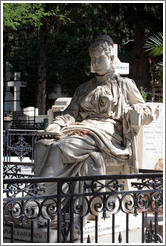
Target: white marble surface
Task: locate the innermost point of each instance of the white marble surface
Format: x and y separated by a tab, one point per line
104	231
151	139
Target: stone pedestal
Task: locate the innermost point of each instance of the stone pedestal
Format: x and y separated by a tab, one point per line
105	229
22	235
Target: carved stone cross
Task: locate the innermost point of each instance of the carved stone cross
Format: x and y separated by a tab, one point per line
120	67
17	84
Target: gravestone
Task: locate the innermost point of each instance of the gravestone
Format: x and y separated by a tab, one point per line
151	139
17	114
31	111
57	92
17	84
121	68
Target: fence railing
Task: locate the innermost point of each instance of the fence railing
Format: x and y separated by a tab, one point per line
19	143
18	169
63	217
28	124
83	209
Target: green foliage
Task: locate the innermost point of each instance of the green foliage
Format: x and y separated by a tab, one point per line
70	29
143	93
154	45
18	14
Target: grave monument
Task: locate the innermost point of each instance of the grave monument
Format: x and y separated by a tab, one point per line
28	115
12	109
61	103
17	84
100	125
151	140
104	116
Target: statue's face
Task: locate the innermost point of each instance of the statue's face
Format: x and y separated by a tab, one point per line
100	62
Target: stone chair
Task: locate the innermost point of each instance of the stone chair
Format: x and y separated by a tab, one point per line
59	105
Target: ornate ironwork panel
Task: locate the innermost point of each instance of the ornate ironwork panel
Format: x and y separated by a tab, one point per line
18	170
20	144
62	217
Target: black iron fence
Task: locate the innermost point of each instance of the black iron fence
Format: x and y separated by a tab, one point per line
18	170
83	209
29	124
18	153
19	143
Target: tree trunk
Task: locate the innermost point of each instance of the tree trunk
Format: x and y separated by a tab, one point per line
140	67
42	81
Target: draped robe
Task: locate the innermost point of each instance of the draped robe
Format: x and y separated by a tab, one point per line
95	128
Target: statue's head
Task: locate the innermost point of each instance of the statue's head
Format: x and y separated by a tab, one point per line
100	53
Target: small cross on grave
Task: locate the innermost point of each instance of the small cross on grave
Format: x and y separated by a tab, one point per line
17	84
120	67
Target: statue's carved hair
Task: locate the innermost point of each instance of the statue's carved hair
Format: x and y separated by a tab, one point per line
105	38
104	42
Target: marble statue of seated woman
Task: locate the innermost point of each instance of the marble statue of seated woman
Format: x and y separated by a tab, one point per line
100	124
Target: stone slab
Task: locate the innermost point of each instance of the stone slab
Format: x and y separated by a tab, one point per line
120	67
31	111
104	231
151	139
24	234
